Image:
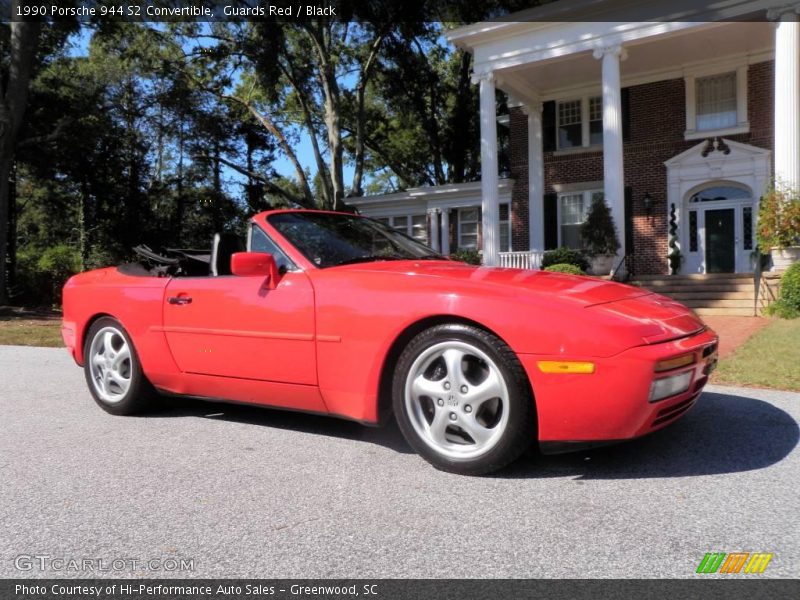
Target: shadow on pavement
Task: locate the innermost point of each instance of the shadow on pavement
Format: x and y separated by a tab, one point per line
723	433
388	436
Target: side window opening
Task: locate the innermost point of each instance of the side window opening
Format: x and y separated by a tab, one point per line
258	241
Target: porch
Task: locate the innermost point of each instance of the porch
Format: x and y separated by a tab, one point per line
567	84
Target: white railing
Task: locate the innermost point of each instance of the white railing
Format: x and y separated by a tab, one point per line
528	259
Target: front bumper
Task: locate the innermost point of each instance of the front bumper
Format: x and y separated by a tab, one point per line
611	404
69	334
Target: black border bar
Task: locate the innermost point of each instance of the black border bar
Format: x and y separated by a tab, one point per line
448	11
732	587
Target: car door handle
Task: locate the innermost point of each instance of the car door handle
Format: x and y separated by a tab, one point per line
179	300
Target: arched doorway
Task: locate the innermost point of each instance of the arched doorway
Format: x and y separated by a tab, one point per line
713	191
718	228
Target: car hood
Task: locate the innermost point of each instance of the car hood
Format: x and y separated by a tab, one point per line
585	291
659	318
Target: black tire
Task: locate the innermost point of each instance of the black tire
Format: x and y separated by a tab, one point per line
114	398
505	424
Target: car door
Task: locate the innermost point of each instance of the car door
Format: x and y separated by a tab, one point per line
232	326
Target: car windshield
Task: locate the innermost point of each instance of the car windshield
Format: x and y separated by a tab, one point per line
332	239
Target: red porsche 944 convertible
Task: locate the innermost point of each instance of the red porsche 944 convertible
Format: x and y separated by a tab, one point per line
338	314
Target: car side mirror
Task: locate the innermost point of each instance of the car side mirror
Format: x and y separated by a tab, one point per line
256	264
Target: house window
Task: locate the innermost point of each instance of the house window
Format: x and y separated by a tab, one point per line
400	223
716	101
505	228
570	127
419	228
595	120
747	223
721	192
580	122
716	104
692	231
415	226
468	219
573	208
469	226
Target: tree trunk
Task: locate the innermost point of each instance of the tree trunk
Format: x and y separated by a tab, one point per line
336	148
83	241
179	201
216	209
463	110
5	229
23	42
361	91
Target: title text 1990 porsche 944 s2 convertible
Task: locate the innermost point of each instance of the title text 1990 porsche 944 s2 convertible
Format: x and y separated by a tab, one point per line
338	314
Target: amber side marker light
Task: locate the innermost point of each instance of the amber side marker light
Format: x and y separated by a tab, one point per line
564	366
674	363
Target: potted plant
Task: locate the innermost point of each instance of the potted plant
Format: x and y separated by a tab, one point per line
778	230
675	261
600	236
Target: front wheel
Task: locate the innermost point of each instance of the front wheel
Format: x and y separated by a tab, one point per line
113	371
462	400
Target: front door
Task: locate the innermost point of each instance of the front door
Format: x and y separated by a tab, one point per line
231	326
720	241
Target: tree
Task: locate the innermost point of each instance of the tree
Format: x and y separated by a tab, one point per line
598	232
22	43
297	80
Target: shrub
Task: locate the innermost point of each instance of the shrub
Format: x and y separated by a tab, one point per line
34	289
597	232
99	257
565	268
788	304
568	256
471	257
778	220
57	264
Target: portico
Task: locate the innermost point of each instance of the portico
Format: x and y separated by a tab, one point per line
575	80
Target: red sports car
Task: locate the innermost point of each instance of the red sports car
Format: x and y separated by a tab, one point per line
338	314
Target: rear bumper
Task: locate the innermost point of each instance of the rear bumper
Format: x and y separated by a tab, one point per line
612	404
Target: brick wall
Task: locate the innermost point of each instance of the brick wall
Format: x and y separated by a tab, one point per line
657	123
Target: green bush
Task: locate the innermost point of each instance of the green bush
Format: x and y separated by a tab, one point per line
471	257
565	256
34	289
565	268
788	304
99	257
778	219
55	266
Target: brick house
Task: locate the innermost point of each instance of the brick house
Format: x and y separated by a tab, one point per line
673	122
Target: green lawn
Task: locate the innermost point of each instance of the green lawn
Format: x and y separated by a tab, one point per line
770	359
20	327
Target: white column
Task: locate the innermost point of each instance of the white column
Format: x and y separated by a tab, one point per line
535	178
433	228
613	174
445	231
787	97
490	207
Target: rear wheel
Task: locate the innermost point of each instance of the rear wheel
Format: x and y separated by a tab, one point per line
462	400
113	371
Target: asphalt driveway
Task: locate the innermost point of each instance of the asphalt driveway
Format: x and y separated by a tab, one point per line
241	491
